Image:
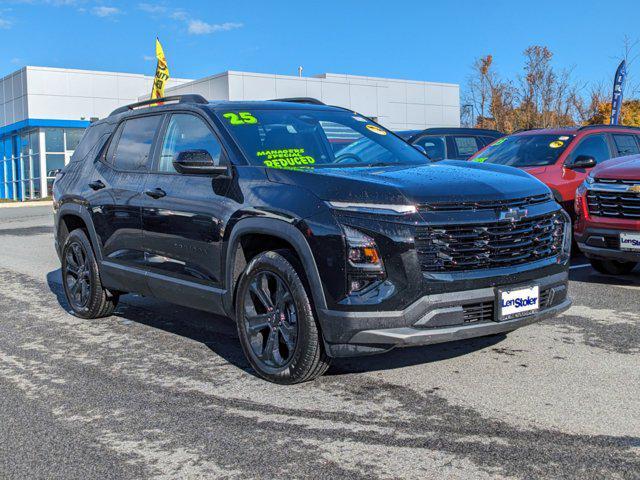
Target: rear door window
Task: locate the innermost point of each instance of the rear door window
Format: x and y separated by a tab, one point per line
92	141
466	146
133	143
625	144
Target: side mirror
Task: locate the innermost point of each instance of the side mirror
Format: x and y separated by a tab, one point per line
420	148
582	161
197	162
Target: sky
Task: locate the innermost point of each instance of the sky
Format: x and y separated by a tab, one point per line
416	40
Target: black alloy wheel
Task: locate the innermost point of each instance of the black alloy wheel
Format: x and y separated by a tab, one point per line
276	322
81	279
77	276
271	320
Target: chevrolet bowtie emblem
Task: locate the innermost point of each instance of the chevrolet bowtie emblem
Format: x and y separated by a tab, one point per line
513	214
634	189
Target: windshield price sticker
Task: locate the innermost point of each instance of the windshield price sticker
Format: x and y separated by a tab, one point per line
375	129
480	159
556	144
240	118
500	141
286	158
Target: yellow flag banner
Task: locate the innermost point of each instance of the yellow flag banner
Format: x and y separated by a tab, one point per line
162	73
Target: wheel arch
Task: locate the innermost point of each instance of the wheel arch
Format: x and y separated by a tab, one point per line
71	216
277	229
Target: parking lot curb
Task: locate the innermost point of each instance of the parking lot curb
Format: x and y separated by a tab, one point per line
26	204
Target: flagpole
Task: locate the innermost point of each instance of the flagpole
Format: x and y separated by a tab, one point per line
616	99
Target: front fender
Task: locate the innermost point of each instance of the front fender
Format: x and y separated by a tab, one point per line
287	231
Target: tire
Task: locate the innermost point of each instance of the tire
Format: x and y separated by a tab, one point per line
81	280
276	323
613	267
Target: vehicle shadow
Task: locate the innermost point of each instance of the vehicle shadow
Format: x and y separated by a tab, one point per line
589	275
219	334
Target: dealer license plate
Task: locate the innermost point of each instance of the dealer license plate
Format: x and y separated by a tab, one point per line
630	241
518	302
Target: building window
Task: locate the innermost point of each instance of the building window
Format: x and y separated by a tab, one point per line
54	139
73	136
20	160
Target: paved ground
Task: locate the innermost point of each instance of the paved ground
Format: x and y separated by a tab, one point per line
163	391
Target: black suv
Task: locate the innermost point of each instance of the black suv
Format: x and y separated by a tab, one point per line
259	211
451	143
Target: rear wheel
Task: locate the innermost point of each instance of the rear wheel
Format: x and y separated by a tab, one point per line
276	323
81	280
613	267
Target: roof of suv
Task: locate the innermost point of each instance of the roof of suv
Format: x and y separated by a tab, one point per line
268	105
575	130
548	131
165	103
450	131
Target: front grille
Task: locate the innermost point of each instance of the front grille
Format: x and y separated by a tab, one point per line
448	248
545	296
617	181
612	241
614	204
478	312
484	205
484	311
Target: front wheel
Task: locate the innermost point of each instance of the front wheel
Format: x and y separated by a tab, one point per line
613	267
276	324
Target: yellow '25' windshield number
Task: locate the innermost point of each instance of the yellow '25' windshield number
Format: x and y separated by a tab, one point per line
240	118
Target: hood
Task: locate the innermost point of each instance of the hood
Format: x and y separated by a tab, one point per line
535	170
445	181
623	168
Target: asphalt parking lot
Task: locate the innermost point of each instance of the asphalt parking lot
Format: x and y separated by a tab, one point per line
163	391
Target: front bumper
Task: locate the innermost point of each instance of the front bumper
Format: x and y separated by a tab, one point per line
604	243
435	319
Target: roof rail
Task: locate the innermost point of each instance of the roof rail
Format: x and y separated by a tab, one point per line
189	98
587	127
526	130
309	100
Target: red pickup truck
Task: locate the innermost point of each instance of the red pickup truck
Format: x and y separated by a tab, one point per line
607	227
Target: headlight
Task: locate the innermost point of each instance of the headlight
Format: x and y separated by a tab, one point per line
381	208
364	263
563	233
362	251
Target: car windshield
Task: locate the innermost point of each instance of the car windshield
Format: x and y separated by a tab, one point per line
306	139
524	150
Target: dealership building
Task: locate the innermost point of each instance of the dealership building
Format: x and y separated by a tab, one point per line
44	111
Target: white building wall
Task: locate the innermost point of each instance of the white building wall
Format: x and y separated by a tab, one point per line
397	104
65	94
13	97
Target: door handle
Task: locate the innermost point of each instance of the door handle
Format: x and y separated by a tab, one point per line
97	185
156	193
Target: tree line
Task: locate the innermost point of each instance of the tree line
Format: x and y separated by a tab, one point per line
541	97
